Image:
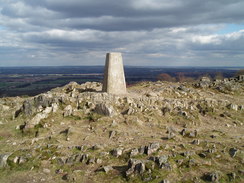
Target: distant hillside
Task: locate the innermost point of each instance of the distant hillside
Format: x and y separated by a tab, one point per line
30	81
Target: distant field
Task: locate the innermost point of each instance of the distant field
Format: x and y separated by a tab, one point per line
19	81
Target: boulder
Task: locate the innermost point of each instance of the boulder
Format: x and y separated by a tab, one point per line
135	167
104	109
38	117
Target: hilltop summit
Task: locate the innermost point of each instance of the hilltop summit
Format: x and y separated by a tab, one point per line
156	132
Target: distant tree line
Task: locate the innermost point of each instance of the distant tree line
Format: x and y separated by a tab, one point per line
193	76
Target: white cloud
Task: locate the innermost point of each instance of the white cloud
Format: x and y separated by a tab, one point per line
148	32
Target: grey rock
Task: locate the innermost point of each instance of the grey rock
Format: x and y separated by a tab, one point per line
16	160
160	160
104	109
241	107
91	161
84	158
202	155
22	160
77	157
203	83
134	152
66	177
68	110
107	169
213	150
196	142
80	148
233	152
232	106
98	161
117	152
142	149
47	171
187	153
151	148
112	134
27	107
212	177
3	160
38	117
135	166
61	160
70	160
232	176
171	135
44	100
183	132
97	147
165	181
193	134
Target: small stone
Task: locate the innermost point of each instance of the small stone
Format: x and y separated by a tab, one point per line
213	177
213	150
233	152
171	135
202	155
65	177
135	166
151	148
193	134
16	159
165	181
232	176
84	158
134	152
107	169
47	171
187	153
112	134
161	160
22	160
183	132
196	142
213	136
228	125
59	171
142	150
3	160
79	148
98	161
97	147
114	124
70	160
91	161
68	111
117	152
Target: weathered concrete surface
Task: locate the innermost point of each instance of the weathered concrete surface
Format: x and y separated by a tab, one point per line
114	78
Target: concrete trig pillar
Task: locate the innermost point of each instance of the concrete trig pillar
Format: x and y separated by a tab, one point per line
114	77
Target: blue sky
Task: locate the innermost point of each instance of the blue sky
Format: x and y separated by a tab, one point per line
230	28
147	32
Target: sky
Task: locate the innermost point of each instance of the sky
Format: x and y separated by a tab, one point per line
147	32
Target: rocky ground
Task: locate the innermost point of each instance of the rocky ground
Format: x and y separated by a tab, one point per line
158	132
